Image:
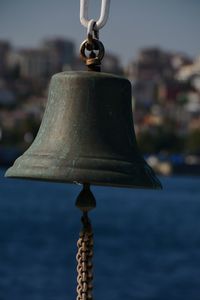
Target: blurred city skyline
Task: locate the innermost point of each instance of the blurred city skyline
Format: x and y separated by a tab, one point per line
154	44
132	25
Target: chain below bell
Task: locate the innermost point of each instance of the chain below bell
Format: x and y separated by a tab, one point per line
87	135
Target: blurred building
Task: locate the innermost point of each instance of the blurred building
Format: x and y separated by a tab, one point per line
7	98
153	74
151	64
178	60
173	91
55	55
144	93
32	63
111	64
4	52
189	70
61	53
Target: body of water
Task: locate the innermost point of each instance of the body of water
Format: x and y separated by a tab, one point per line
147	243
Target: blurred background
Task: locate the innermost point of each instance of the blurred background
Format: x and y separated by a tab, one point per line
154	44
147	244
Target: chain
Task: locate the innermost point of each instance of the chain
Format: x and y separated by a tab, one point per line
105	6
85	202
84	260
92	44
96	49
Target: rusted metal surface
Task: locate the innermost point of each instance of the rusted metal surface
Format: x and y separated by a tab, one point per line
96	48
87	135
85	202
84	261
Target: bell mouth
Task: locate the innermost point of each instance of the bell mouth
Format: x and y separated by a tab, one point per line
96	171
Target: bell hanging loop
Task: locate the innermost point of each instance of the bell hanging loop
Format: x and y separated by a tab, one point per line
97	51
94	46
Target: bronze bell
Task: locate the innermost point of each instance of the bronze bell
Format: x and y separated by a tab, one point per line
87	135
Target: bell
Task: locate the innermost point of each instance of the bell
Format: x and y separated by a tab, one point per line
87	135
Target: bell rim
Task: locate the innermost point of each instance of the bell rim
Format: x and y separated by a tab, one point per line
103	184
85	170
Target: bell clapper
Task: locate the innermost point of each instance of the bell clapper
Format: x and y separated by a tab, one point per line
85	202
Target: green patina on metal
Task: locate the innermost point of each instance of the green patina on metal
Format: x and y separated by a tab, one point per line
87	135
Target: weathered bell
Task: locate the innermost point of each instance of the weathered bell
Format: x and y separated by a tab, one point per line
87	135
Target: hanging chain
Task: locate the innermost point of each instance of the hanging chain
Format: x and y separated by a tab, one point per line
85	201
105	6
84	260
92	43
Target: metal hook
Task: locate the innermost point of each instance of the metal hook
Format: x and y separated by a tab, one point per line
105	6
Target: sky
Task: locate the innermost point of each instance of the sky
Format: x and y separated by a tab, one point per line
133	24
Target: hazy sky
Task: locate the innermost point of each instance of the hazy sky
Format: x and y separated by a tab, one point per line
170	24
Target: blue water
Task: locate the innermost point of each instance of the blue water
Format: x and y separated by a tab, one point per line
147	243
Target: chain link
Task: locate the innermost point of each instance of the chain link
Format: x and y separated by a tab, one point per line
92	44
84	260
105	6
